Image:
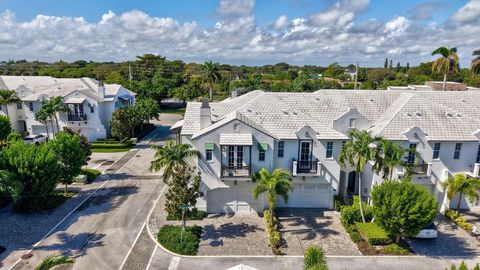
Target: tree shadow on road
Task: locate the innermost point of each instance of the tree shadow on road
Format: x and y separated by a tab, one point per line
307	224
74	245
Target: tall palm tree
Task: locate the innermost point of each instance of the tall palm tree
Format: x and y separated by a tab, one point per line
459	183
448	62
357	151
47	110
56	106
210	75
171	158
475	66
392	156
42	116
53	260
8	97
277	183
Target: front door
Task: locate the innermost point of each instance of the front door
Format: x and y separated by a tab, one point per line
351	183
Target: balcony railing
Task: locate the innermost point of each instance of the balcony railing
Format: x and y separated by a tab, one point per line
420	169
475	173
235	171
308	167
77	117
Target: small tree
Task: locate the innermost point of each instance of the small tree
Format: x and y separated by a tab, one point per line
146	109
70	155
278	183
403	208
460	184
121	124
37	170
84	143
8	97
183	190
5	127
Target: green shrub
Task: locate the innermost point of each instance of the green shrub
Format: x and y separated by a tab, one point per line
314	258
351	213
463	266
14	136
111	145
273	232
458	219
194	214
91	174
170	237
373	233
394	249
337	202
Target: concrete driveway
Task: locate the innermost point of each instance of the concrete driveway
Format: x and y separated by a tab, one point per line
302	228
451	241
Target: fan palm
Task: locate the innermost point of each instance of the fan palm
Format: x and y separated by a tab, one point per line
8	97
53	260
357	151
171	158
210	74
459	183
277	183
475	66
448	62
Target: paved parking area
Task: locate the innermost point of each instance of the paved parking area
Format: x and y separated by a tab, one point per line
451	241
302	228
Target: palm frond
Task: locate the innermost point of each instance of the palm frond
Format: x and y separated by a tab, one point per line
53	260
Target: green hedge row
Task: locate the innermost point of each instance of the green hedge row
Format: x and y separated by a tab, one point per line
111	145
170	237
91	174
373	233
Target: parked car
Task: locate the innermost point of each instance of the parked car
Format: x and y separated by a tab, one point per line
429	232
35	139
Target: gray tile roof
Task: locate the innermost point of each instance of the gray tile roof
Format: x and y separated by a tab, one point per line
441	115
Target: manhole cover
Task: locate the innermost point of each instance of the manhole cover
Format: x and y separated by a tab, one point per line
27	256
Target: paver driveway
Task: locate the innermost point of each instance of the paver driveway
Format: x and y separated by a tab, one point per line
301	228
451	241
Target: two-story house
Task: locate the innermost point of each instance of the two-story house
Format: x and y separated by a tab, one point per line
90	104
303	133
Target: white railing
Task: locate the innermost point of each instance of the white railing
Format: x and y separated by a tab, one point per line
306	168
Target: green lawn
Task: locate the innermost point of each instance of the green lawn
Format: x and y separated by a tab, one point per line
106	150
180	110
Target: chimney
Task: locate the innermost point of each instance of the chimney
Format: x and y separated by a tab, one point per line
234	93
101	90
205	114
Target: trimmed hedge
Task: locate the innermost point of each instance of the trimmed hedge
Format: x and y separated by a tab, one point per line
373	233
273	232
192	215
91	174
111	145
459	220
170	235
394	249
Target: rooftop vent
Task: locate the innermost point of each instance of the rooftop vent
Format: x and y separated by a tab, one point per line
449	114
371	99
417	113
295	113
409	114
285	112
463	100
459	115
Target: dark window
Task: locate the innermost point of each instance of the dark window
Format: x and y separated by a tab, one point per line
19	105
92	109
478	154
261	155
436	150
209	154
30	106
239	156
231	156
329	149
281	148
458	149
411	154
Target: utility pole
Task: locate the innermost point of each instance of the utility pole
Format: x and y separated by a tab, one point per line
356	76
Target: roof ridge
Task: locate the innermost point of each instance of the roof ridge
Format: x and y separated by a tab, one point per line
393	110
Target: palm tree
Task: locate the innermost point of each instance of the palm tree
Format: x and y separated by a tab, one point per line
171	158
53	260
277	183
357	151
475	66
210	75
459	183
8	97
56	106
447	62
42	116
392	156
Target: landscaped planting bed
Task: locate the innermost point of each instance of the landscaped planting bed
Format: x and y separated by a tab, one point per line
459	220
91	174
371	239
170	237
111	146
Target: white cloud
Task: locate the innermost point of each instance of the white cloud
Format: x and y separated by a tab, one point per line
336	36
469	13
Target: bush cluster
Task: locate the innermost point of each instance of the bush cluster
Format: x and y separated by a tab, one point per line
314	259
350	214
463	266
352	232
373	233
170	236
194	214
459	220
273	232
91	174
394	249
111	144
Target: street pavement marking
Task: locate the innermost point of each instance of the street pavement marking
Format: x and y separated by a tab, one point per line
174	263
151	258
133	245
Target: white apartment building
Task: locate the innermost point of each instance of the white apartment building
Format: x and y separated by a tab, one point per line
303	134
90	103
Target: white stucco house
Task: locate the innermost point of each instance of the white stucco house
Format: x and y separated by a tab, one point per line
90	103
303	134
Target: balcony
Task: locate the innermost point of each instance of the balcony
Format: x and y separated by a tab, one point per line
235	172
77	118
475	173
306	167
423	169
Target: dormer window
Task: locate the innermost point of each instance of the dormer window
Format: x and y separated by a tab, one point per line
352	122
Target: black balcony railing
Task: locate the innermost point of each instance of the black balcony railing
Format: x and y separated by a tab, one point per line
235	171
77	117
418	169
307	166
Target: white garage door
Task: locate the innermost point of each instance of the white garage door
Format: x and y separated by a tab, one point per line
308	195
236	199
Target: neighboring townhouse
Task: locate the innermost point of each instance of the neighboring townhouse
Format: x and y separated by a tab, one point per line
90	103
303	134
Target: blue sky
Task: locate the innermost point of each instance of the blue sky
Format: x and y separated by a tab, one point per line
239	31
